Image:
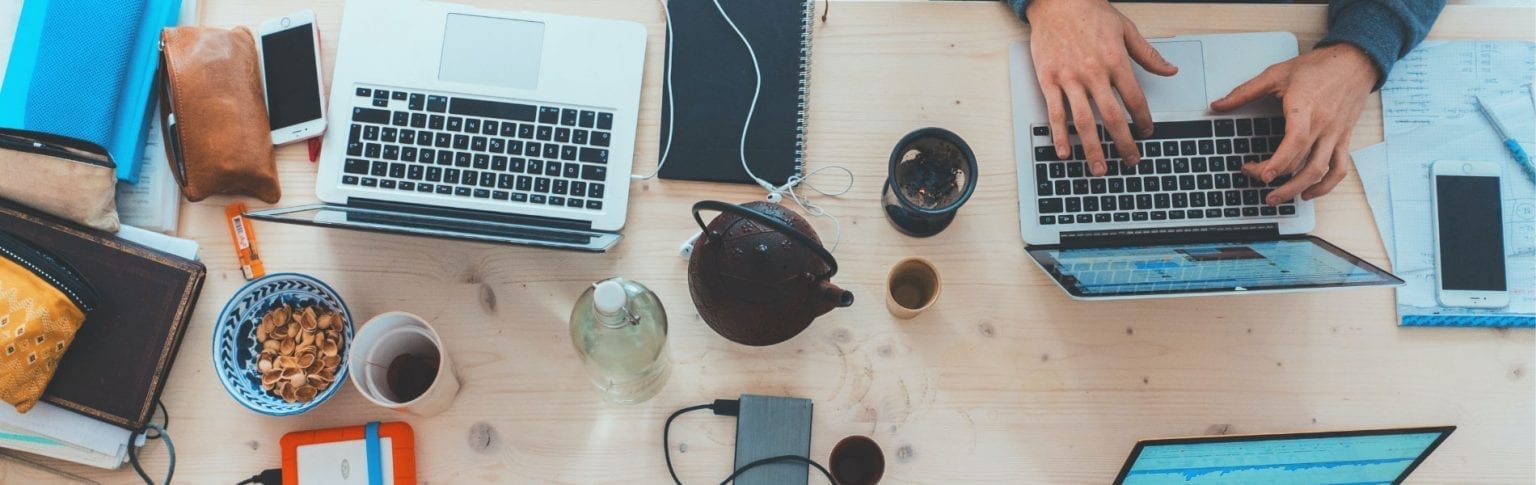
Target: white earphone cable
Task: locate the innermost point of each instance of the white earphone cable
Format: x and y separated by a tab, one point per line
666	147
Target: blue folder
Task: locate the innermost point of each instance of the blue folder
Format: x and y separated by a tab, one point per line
86	69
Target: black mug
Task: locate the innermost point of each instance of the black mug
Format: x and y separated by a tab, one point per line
932	173
857	460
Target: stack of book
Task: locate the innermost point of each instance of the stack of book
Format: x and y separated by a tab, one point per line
112	375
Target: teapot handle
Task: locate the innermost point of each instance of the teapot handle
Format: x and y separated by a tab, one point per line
761	218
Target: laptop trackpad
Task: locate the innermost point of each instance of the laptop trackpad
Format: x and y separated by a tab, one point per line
1184	91
492	51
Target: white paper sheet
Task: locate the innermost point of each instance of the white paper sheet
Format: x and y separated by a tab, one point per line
1427	124
181	248
53	431
154	202
1371	166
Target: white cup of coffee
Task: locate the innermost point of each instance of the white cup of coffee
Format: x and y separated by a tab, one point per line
911	287
399	362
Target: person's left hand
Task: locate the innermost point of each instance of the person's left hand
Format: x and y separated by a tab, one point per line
1323	92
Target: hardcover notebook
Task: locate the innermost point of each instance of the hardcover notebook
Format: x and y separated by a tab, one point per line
711	90
122	355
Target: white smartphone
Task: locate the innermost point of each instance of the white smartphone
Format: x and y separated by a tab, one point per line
290	76
1469	234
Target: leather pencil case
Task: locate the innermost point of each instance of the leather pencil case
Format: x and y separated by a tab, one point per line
67	177
214	114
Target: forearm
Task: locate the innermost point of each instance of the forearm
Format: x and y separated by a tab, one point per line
1384	29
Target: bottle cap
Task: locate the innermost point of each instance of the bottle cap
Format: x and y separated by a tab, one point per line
609	297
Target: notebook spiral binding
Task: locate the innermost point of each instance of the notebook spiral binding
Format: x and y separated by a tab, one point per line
805	75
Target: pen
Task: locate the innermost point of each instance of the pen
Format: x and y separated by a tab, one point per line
1509	141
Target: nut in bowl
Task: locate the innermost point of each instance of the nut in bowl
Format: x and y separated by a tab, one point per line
280	344
300	351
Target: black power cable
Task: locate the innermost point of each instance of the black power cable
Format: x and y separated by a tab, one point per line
777	459
266	477
727	407
160	433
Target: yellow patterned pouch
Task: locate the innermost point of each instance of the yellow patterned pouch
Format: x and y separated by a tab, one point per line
43	302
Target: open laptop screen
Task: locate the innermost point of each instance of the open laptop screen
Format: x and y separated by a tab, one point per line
1372	456
1281	264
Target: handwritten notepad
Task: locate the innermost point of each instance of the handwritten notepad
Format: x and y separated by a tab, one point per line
1429	113
1436	83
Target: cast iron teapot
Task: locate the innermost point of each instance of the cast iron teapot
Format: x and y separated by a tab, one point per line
759	274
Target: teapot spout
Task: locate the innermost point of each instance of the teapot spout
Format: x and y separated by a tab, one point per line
837	297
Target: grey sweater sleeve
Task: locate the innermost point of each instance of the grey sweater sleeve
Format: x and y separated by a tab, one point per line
1385	29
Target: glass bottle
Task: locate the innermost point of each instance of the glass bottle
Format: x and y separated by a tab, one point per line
619	329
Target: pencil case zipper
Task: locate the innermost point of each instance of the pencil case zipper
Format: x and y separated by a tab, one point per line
67	148
58	274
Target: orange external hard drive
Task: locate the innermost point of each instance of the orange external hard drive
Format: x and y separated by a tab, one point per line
372	454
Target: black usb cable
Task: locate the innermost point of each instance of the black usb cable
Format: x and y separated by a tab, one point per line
728	407
272	476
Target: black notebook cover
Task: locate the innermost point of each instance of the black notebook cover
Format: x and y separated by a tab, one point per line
711	89
119	361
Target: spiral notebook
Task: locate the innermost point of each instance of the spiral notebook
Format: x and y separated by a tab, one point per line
711	90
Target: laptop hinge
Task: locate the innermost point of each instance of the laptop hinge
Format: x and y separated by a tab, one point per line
470	214
1154	236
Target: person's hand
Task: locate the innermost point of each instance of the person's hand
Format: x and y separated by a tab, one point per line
1082	50
1323	92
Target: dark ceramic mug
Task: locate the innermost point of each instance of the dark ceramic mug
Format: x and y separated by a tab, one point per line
857	460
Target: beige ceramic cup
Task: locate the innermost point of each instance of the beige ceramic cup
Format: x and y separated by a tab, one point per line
911	287
388	336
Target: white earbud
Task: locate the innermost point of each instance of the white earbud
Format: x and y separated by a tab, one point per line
686	250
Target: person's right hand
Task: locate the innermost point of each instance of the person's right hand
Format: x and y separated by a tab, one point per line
1082	50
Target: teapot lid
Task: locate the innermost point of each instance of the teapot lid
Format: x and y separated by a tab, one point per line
773	223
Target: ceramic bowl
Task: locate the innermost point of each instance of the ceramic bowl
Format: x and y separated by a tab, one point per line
235	347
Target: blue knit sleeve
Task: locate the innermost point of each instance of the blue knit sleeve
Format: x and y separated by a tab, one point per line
1385	29
1018	7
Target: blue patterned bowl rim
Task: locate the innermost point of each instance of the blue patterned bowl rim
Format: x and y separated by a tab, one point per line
239	378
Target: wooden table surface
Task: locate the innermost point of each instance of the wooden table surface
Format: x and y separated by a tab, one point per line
1004	381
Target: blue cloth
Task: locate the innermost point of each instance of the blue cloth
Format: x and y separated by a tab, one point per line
81	70
85	69
1385	29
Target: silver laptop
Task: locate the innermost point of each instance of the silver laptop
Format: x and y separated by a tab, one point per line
460	122
1185	220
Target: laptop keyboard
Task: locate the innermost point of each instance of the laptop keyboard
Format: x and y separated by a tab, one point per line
1188	170
472	148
